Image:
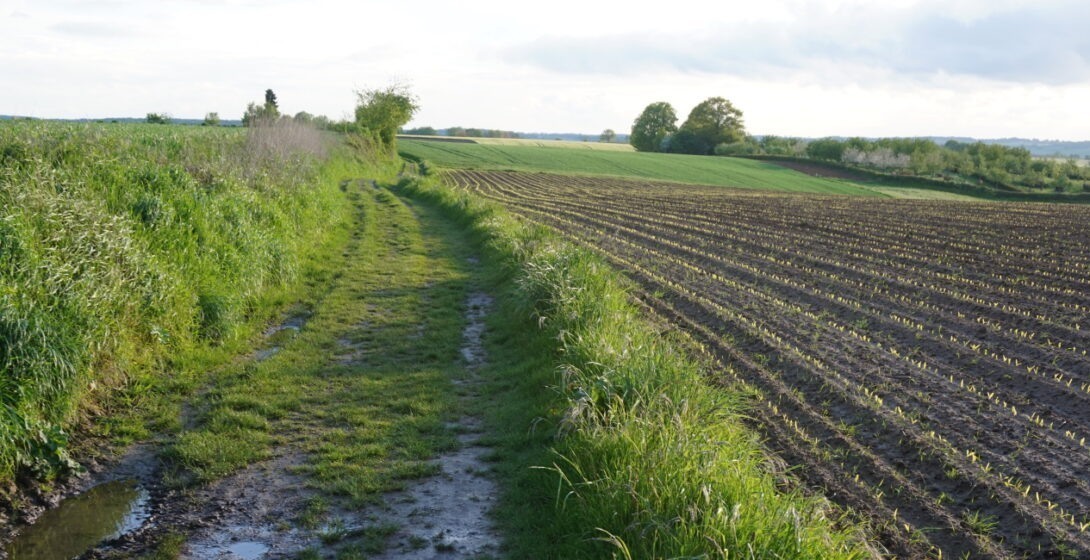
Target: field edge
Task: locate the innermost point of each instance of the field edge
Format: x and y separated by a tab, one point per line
646	460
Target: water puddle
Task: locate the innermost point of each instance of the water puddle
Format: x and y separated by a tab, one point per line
248	550
277	336
104	512
242	550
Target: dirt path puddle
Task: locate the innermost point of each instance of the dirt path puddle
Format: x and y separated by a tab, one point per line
104	512
447	516
251	514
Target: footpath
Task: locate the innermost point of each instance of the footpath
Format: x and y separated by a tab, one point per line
350	433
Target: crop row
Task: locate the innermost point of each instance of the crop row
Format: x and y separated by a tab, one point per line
925	362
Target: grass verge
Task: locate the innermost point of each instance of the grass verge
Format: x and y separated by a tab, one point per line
612	442
132	259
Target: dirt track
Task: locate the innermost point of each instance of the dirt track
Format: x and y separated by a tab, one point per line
378	326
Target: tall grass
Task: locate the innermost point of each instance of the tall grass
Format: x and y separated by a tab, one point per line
123	245
648	460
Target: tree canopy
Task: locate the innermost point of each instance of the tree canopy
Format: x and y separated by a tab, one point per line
657	121
713	122
383	111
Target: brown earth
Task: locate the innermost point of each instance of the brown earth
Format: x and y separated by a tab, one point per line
924	363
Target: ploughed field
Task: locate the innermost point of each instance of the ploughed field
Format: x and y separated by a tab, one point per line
923	362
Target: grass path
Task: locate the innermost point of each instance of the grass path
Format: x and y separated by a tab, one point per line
359	403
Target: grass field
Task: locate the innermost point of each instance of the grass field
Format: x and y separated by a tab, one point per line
718	171
535	142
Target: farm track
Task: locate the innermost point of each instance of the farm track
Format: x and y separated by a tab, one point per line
925	362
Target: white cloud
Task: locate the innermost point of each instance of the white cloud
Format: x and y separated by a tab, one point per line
1042	44
967	67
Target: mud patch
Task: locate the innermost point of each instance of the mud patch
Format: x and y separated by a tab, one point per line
447	515
251	514
472	346
277	336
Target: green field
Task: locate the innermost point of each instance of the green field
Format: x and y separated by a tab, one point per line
719	171
537	142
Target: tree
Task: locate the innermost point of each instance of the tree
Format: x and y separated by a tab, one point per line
158	118
303	117
262	114
607	136
211	119
422	131
383	111
657	121
826	148
685	142
715	121
270	103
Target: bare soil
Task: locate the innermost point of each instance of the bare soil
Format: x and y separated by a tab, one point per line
818	170
923	362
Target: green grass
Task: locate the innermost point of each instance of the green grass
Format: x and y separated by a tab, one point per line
719	171
133	258
610	443
365	389
588	145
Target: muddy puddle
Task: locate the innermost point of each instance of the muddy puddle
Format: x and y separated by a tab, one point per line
277	336
80	522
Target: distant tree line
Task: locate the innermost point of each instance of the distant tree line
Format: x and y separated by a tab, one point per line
977	162
461	132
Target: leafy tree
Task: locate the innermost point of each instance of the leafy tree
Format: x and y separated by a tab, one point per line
715	121
254	114
657	121
383	112
303	117
270	103
422	131
747	147
158	118
685	142
262	114
826	148
211	119
607	136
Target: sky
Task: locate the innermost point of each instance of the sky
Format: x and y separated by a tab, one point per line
977	68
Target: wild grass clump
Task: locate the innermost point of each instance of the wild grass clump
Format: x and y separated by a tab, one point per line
122	246
648	460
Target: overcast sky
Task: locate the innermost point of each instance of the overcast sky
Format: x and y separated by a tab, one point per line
982	68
